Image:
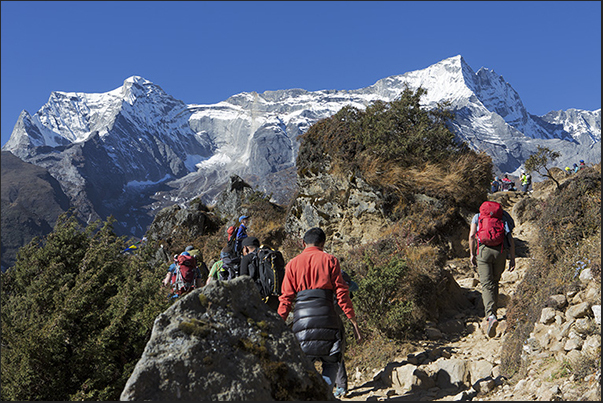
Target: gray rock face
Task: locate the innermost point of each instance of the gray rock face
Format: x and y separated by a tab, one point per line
221	342
228	203
348	210
193	220
32	200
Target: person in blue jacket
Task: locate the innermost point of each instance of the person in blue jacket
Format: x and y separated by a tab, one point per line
241	233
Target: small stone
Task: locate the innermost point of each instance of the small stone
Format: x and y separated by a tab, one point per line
577	311
557	301
547	315
597	313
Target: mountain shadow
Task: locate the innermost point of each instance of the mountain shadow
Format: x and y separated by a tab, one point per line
32	200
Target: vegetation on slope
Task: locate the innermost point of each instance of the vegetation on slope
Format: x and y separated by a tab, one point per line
400	148
76	314
568	240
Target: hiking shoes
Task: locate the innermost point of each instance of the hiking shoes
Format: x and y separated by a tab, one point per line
492	324
340	392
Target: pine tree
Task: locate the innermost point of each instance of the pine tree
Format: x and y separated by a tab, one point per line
76	314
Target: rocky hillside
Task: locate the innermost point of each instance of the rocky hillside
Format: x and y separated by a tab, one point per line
456	360
450	359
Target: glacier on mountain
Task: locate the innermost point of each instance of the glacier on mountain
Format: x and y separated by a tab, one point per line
97	144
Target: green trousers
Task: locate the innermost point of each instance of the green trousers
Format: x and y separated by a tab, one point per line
490	266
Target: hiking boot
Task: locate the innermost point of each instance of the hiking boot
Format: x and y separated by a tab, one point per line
340	392
492	324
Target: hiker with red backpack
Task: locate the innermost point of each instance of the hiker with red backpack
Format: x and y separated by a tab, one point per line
490	241
183	274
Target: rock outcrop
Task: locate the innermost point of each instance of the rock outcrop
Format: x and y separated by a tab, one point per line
191	221
348	209
221	342
231	199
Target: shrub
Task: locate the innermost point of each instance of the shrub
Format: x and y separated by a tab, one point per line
540	162
400	131
379	294
76	314
399	148
568	240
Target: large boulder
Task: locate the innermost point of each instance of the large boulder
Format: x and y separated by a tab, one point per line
222	342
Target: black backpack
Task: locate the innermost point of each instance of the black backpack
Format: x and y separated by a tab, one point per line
269	271
230	268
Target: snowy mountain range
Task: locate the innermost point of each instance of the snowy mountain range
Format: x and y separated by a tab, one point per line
135	149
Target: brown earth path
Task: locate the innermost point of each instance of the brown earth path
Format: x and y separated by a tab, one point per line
474	345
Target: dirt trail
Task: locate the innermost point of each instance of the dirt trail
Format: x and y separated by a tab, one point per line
473	344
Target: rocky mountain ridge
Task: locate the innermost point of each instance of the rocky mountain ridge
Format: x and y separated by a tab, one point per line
136	149
31	202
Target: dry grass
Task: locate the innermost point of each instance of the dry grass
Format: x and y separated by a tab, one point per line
568	241
463	179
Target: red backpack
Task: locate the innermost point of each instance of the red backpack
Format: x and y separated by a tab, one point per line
232	235
491	228
183	279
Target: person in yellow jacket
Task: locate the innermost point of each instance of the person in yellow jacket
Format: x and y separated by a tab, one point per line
526	181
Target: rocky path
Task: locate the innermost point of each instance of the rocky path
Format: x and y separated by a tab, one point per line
464	351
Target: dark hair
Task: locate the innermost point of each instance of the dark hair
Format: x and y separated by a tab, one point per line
251	241
315	236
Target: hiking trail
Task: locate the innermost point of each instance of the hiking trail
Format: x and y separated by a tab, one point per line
469	343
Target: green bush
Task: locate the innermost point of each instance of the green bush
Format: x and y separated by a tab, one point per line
76	314
400	131
381	301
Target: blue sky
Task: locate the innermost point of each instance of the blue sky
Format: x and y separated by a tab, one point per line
204	52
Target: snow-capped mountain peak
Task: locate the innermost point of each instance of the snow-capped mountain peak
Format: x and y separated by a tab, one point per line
116	149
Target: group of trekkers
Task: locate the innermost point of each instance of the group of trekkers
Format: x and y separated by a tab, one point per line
575	168
312	285
505	184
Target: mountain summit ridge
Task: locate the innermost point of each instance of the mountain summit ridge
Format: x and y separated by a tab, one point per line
146	149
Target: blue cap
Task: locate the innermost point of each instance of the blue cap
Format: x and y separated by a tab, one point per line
241	218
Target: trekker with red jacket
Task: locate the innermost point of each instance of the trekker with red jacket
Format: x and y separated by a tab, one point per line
312	279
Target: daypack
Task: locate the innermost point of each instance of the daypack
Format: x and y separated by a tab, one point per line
230	268
491	228
185	275
232	236
269	271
